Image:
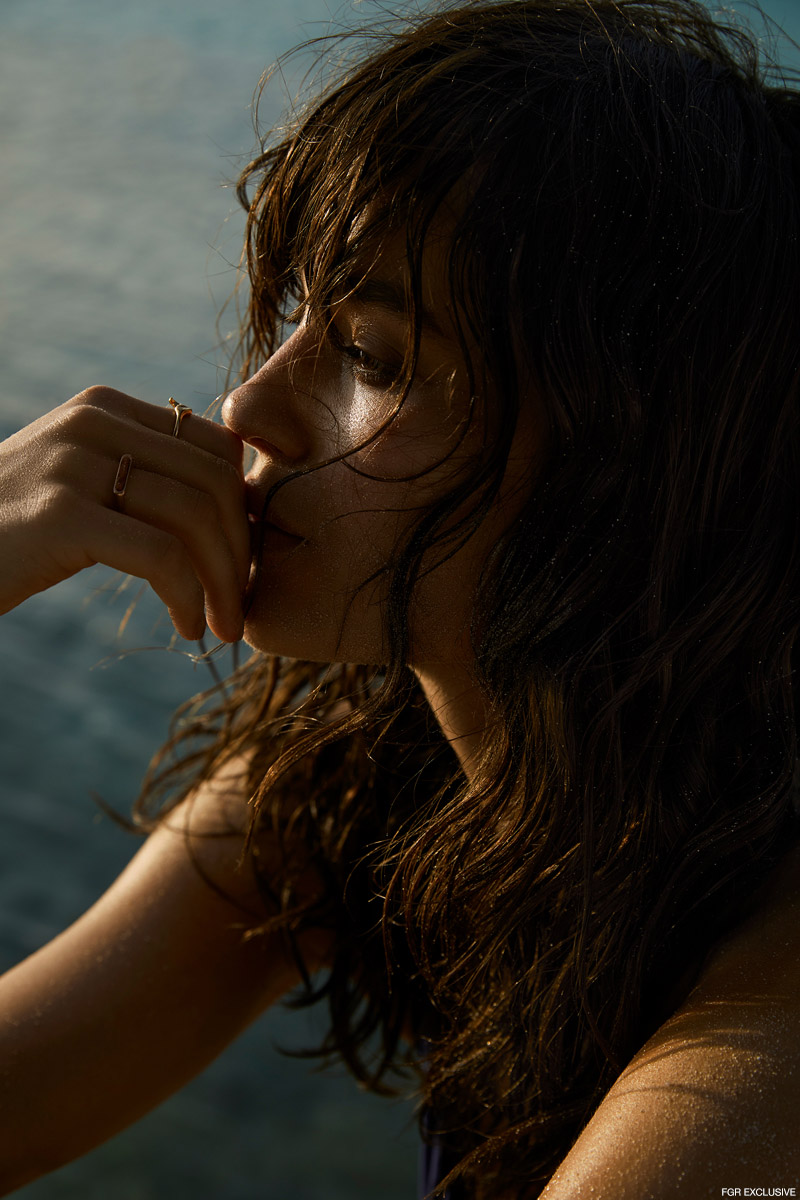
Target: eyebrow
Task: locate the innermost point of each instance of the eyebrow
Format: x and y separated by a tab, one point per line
386	294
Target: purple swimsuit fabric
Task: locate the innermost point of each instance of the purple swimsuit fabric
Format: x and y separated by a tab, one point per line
435	1160
433	1164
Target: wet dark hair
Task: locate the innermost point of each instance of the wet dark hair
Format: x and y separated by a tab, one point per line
626	249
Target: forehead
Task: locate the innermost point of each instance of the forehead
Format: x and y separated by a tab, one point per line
387	266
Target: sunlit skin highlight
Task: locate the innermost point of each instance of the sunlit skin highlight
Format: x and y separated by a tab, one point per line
327	389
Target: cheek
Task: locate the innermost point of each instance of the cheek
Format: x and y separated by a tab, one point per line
362	512
360	412
418	451
423	436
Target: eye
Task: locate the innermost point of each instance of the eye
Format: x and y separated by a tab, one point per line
366	367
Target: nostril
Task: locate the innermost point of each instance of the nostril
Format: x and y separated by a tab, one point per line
261	412
264	447
235	418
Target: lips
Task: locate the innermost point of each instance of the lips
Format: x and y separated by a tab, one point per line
255	498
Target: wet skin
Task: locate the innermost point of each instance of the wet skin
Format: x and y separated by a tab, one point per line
323	394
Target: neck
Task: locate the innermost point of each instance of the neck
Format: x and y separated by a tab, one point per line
459	706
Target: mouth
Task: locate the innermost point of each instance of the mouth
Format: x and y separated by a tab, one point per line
261	525
266	535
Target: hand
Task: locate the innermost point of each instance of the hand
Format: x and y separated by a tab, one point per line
181	523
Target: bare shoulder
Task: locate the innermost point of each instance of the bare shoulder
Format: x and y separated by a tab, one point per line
217	804
212	822
712	1100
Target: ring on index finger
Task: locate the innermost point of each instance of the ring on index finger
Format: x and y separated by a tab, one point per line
181	411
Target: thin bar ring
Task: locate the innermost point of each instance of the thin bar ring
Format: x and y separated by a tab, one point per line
121	478
181	411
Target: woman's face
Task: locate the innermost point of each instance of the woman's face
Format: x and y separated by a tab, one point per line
324	394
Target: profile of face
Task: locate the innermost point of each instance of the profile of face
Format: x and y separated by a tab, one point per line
326	395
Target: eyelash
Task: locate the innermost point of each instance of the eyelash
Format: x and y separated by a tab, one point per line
370	370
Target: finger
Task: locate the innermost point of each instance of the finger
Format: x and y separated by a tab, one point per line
87	428
191	515
128	545
214	482
160	418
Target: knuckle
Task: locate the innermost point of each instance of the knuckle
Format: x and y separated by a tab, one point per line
79	419
96	396
56	500
84	415
59	465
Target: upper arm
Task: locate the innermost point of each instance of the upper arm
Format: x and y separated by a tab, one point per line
712	1101
136	997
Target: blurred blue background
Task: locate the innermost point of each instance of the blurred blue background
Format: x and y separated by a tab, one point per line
120	127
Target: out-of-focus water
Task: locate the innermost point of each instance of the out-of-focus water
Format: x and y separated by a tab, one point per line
119	125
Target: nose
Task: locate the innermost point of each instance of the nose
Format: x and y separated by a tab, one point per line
268	411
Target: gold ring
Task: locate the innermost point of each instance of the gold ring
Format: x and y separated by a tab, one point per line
181	411
122	476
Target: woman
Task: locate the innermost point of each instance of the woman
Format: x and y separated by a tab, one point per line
514	759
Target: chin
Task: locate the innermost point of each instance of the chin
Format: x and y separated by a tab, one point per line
314	636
